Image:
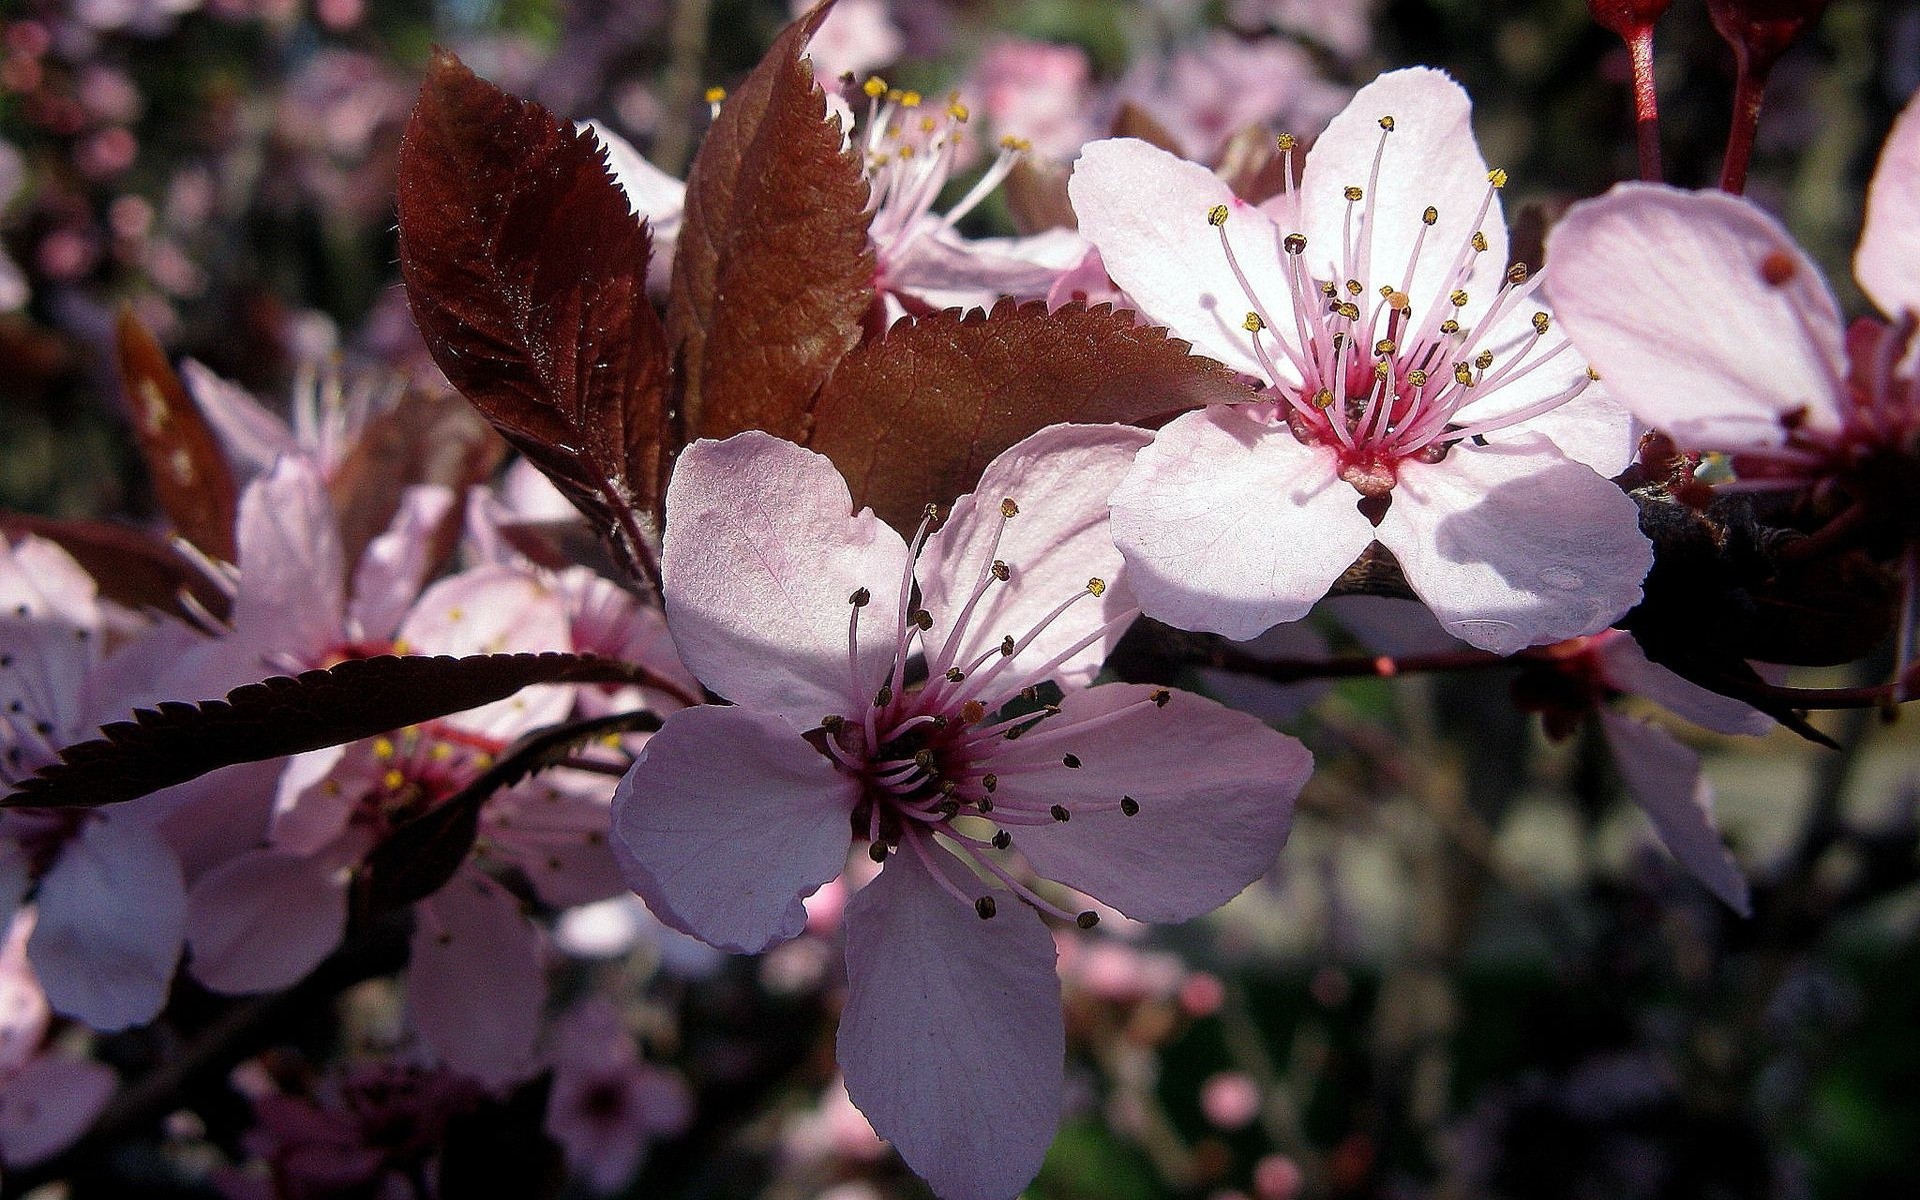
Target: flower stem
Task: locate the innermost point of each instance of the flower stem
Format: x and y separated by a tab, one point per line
1749	93
1646	105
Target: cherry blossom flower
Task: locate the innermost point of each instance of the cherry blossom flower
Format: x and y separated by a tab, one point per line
1039	91
607	1103
905	693
1205	93
856	37
1416	394
1772	376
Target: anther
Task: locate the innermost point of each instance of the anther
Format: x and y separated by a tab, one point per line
1253	323
1323	398
1462	373
1485	360
972	712
1087	919
875	87
833	722
1059	813
1384	346
1416	378
1430	216
1006	646
1540	322
1096	586
1386	123
1354	287
1353	193
1295	243
955	675
861	598
1129	807
884	696
1009	509
1518	272
1161	697
1002	840
716	94
1449	327
1070	761
1286	142
1497	177
1458	299
985	907
1479	241
1327	289
923	758
1593	375
877	851
1217	215
1348	310
922	618
1002	571
958	112
910	99
990	781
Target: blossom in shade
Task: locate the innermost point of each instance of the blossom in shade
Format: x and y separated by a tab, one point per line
607	1103
1710	323
47	1097
1203	94
1417	395
930	698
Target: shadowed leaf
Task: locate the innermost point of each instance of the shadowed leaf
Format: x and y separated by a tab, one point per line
527	275
773	275
191	476
912	419
129	566
1036	191
286	715
427	438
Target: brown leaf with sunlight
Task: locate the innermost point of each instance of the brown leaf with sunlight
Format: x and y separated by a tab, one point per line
773	275
191	476
526	271
912	418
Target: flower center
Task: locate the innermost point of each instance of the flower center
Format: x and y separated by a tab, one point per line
1358	367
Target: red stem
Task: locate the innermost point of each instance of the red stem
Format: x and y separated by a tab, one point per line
1646	106
1749	92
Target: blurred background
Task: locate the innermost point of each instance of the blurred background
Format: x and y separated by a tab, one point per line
1473	972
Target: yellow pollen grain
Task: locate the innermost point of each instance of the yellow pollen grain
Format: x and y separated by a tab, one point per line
441	752
1354	287
1462	373
1430	216
1517	273
875	87
1458	299
1009	509
1253	323
1019	145
1540	322
910	100
958	112
383	749
1449	327
1323	398
1348	310
1217	215
393	781
1386	123
1096	586
1416	378
1593	375
716	94
1485	360
928	124
1286	142
1497	177
1480	241
1353	193
1385	346
1295	243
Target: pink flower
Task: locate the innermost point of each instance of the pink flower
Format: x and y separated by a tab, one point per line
607	1103
1710	323
821	625
1204	94
328	416
1417	394
47	1098
856	37
1038	91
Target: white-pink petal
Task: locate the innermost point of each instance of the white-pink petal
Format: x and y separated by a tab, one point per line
729	818
1146	210
1212	814
1700	313
1515	546
1628	668
1230	525
262	921
1059	479
394	566
475	979
49	1104
1664	778
1887	264
762	551
112	913
952	1041
291	599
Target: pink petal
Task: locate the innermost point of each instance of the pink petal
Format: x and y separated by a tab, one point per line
729	818
952	1040
252	437
762	551
1146	212
494	610
554	828
1060	479
311	803
948	271
1430	159
1887	264
1664	778
24	1015
262	921
1628	668
1592	428
1213	813
475	981
1665	292
112	915
394	566
1515	546
49	1104
1230	526
292	593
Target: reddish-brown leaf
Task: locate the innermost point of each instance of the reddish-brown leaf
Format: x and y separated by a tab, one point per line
285	715
527	275
773	275
191	477
1036	191
911	419
428	437
130	566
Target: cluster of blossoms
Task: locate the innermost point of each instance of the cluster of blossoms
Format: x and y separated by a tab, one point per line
919	728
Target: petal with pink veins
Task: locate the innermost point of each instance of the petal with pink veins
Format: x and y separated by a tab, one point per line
729	819
952	1039
262	921
1592	428
1059	480
1628	668
1664	778
291	598
1231	526
1205	827
112	916
1887	264
762	551
1514	546
475	980
394	566
1430	159
1146	211
1699	312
